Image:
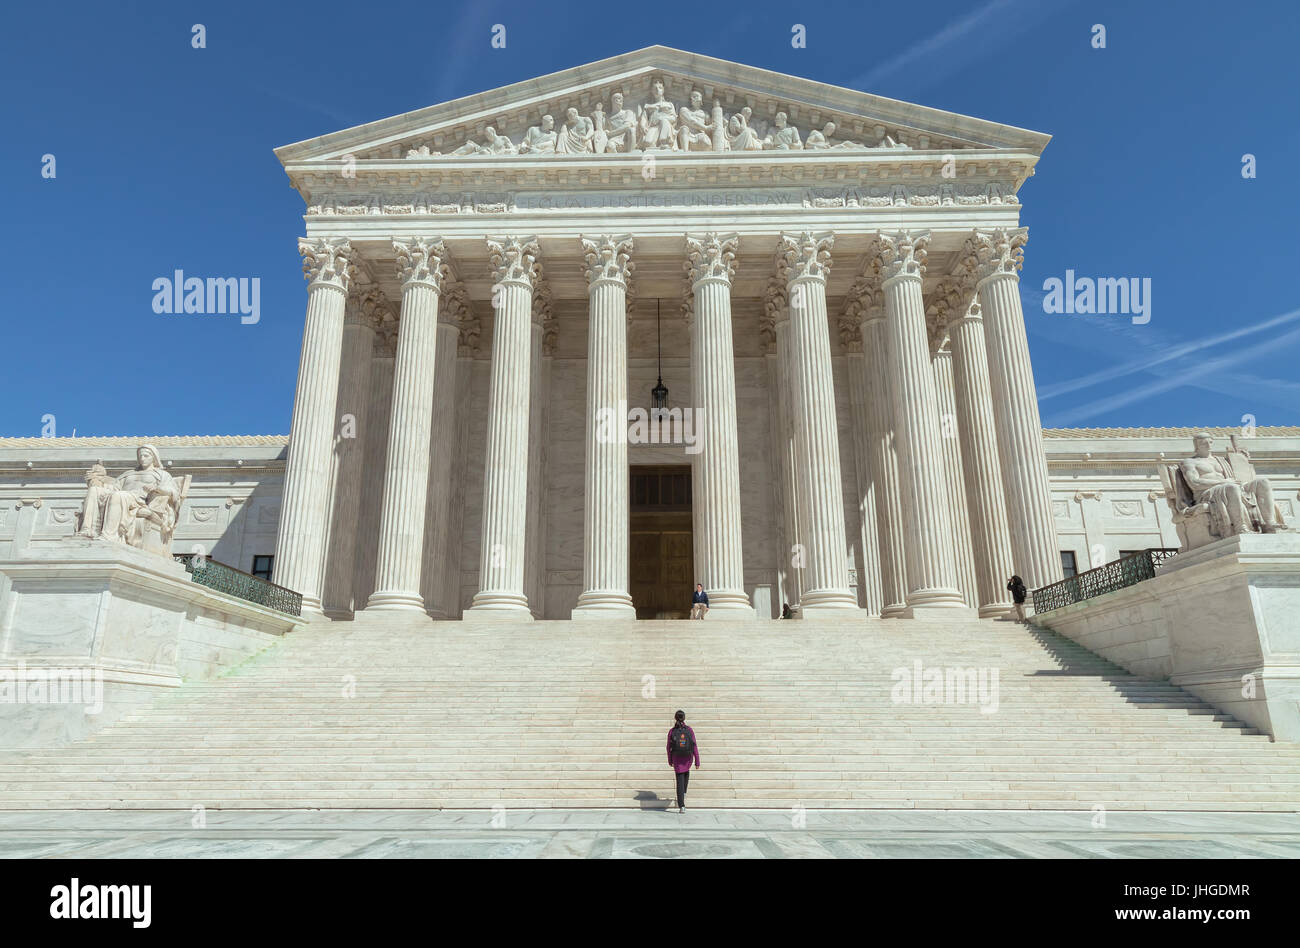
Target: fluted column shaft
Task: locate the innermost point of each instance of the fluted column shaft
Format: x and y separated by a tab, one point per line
443	448
804	262
605	504
505	470
870	575
378	418
990	542
883	454
954	480
406	471
304	505
1035	551
793	552
352	411
716	469
931	575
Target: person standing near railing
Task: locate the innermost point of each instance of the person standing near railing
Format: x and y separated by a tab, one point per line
1016	586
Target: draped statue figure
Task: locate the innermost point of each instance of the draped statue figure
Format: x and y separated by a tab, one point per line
138	508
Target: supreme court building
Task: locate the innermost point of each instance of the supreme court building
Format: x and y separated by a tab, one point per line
826	282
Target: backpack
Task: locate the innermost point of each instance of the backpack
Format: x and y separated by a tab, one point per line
682	743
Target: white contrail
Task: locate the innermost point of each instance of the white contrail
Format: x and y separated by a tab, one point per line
1100	405
1176	352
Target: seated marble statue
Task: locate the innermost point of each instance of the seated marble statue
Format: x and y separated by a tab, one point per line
577	135
658	120
137	508
492	144
619	134
783	137
740	134
1239	501
694	126
540	140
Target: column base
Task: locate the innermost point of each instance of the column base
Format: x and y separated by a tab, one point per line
493	606
996	610
604	604
941	611
895	610
827	600
340	615
724	606
312	607
394	600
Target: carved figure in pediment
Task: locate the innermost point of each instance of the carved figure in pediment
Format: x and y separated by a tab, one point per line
889	142
620	129
694	126
492	144
658	120
824	139
577	136
540	140
783	137
739	133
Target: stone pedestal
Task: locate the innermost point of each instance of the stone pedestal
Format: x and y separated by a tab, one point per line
114	627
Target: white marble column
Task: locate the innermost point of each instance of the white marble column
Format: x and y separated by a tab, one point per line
453	569
304	505
953	464
406	474
997	257
870	584
359	326
710	266
990	540
605	505
505	469
443	448
543	338
378	418
802	262
931	575
882	451
776	326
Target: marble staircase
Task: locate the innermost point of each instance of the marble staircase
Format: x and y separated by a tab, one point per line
391	711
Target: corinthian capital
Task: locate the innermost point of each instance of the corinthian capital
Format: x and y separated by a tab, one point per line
421	261
515	260
711	257
1000	251
865	300
850	327
806	256
327	261
609	259
775	310
902	254
370	309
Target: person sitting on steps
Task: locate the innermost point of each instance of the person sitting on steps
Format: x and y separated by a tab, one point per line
699	602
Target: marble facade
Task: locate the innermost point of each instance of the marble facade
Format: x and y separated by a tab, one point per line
837	277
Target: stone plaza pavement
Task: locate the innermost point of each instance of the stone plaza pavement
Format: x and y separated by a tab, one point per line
648	833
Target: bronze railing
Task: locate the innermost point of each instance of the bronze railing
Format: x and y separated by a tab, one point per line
1125	571
235	582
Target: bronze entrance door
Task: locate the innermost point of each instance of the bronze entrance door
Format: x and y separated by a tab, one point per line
661	542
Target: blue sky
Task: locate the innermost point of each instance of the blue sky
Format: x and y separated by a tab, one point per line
163	160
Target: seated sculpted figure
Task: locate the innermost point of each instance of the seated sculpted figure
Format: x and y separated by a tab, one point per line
819	140
658	120
1239	501
577	134
740	134
136	508
540	141
693	130
783	137
620	131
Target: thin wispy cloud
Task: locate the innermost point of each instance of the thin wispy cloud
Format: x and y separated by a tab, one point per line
1147	362
1205	369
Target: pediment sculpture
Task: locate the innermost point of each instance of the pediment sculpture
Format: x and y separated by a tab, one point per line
139	508
1216	496
657	125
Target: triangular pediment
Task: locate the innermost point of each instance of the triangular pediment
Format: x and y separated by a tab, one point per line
739	109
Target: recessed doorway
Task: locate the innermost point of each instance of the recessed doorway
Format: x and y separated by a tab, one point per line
662	553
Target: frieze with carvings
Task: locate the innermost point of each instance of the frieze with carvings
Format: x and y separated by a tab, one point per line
657	125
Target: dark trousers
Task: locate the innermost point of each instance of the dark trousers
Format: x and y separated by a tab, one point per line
682	780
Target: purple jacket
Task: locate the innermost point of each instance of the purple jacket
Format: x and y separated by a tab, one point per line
682	764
